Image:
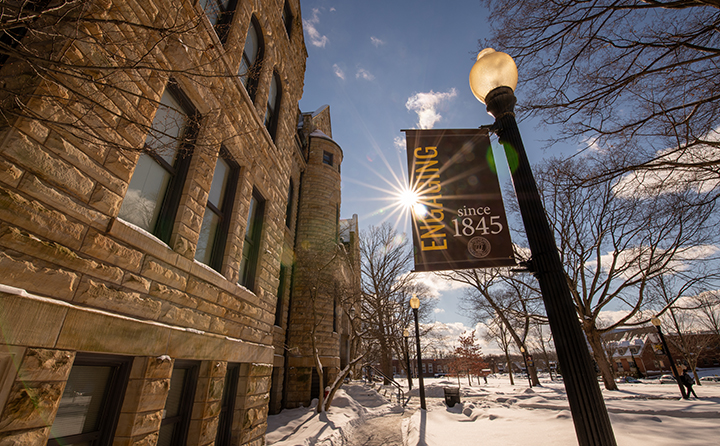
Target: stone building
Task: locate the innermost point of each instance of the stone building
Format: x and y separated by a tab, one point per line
160	196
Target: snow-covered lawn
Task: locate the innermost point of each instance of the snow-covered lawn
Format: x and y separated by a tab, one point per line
648	414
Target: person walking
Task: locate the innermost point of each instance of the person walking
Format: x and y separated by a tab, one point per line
688	382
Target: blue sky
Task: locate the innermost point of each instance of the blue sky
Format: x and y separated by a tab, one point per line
383	66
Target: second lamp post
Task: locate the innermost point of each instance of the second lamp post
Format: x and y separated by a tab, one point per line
415	304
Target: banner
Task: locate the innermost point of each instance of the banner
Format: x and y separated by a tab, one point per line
460	221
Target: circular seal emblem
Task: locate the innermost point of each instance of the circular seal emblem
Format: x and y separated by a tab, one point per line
479	247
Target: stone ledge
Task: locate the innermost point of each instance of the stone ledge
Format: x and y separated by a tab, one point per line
70	327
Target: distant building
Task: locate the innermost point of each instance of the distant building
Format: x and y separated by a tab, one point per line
639	351
162	202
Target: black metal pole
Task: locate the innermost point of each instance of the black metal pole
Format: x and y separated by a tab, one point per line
419	360
527	369
407	358
592	424
672	364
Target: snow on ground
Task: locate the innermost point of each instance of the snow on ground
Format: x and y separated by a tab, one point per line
497	413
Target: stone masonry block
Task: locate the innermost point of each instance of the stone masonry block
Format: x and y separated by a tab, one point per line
102	247
29	154
164	273
31	405
45	365
10	173
36	218
99	295
15	238
29	437
28	275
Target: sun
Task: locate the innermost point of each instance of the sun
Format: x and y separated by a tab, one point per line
409	199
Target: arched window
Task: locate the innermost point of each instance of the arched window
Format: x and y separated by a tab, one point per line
251	59
273	105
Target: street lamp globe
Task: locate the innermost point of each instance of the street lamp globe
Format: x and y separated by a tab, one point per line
492	69
414	302
655	321
406	333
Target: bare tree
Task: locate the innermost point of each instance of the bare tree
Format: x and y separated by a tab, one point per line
387	288
708	304
614	240
639	78
498	332
77	67
496	293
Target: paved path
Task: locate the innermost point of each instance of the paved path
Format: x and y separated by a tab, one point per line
381	431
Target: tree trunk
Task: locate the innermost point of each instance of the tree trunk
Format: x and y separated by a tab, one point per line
533	375
509	365
598	353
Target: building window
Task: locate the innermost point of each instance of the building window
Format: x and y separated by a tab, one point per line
90	405
153	194
430	368
289	208
251	245
251	59
220	14
178	405
216	221
327	158
287	18
280	294
273	106
227	406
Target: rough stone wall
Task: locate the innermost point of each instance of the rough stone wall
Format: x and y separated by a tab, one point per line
318	265
76	278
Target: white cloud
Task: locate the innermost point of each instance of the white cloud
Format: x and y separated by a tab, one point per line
426	106
400	143
667	174
439	310
436	285
309	25
365	74
338	72
633	258
445	337
375	41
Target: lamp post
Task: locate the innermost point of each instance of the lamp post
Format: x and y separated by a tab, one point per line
415	304
527	369
406	335
656	322
493	79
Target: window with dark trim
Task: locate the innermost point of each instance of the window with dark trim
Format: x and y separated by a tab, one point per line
178	405
251	62
216	221
154	192
273	105
280	294
227	405
251	244
327	158
220	14
287	18
289	208
90	404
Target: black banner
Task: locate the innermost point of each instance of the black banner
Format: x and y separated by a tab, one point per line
460	223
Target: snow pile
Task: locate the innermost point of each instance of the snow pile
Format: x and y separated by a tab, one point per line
647	414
